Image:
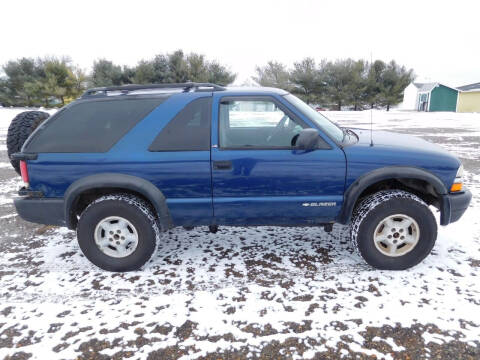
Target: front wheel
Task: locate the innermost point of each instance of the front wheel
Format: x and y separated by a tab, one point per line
118	232
393	230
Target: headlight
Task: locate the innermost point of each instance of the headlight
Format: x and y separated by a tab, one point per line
458	182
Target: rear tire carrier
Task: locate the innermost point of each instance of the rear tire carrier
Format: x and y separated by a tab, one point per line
21	127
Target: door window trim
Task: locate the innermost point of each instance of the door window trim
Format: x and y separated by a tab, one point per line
281	106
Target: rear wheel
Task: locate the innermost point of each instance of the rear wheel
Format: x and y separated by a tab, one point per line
20	129
118	232
393	230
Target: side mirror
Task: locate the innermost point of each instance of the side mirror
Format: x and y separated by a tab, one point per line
308	139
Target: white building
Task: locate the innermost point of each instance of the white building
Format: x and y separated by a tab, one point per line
410	98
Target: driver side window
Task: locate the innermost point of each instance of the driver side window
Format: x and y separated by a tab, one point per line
256	124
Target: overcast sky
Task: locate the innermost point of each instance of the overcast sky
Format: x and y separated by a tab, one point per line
440	40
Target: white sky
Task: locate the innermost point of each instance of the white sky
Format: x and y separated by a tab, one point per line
440	40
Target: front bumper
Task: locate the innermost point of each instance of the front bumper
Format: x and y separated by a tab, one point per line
457	204
40	210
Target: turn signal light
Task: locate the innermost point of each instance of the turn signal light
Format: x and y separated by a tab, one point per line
456	187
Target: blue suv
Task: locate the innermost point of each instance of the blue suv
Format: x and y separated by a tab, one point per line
121	164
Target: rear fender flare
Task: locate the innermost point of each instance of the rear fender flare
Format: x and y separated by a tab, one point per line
118	181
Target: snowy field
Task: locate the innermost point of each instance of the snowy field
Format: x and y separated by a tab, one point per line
260	293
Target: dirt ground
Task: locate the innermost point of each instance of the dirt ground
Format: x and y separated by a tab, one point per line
257	293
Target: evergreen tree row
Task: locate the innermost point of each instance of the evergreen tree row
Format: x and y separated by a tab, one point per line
334	84
56	81
41	82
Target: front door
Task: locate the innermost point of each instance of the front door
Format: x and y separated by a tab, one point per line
258	176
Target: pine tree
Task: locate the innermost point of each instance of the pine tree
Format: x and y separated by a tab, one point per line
144	73
219	74
105	73
274	74
339	78
177	67
306	80
30	82
358	85
18	73
393	82
197	68
62	80
374	80
5	94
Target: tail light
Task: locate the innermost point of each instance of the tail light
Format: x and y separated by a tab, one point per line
24	172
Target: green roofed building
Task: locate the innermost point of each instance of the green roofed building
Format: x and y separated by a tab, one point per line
436	97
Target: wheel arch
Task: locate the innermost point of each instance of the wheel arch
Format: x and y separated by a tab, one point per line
393	173
104	183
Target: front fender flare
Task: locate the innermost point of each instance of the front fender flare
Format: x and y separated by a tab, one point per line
392	172
117	181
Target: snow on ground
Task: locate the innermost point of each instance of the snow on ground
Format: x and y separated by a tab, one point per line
457	132
268	292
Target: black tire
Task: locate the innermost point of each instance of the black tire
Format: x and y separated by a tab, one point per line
372	210
137	211
20	129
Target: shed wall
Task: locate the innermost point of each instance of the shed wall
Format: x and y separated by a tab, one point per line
443	99
469	101
410	98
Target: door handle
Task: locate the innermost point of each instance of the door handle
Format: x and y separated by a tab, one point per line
222	165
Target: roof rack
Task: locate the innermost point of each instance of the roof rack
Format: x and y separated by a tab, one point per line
125	89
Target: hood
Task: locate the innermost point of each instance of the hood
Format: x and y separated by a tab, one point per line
402	142
393	149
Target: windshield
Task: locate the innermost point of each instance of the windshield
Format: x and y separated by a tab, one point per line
323	123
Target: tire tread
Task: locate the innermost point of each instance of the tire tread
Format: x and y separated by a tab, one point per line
140	204
368	204
20	129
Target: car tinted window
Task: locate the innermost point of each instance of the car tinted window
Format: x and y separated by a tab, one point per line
90	127
256	124
189	130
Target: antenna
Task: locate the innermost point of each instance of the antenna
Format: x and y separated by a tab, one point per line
371	109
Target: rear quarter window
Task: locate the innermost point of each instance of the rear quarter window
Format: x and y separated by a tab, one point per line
90	127
189	130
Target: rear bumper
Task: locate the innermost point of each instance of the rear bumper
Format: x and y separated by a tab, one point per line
48	211
458	203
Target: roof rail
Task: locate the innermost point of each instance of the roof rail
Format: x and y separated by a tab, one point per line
125	89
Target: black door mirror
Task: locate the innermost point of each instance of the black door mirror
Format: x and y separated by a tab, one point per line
308	139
